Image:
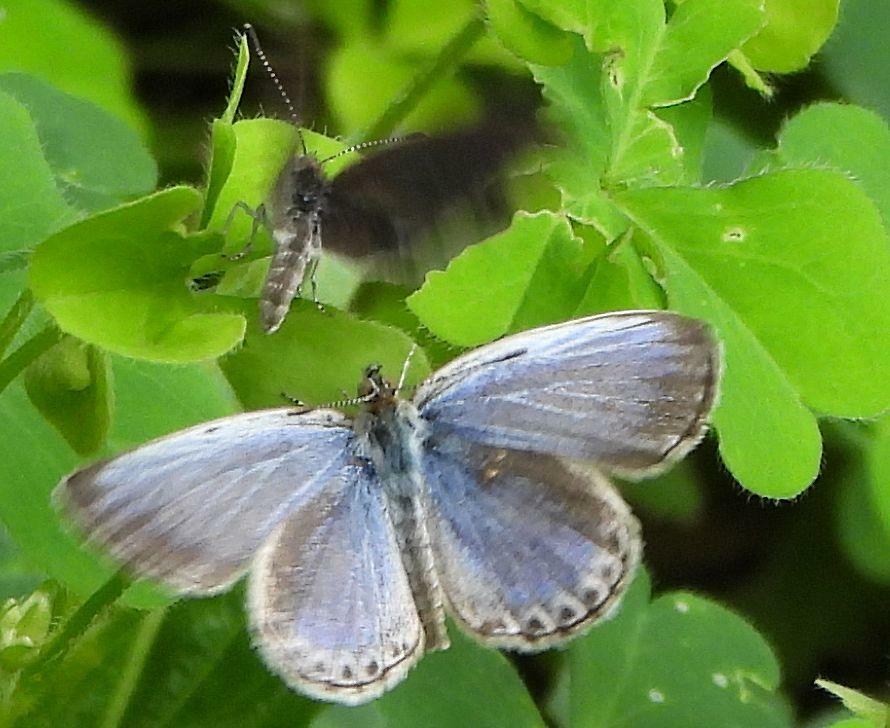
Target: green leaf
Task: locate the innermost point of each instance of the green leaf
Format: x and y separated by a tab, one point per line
859	704
530	274
364	77
847	138
222	156
863	512
854	723
618	281
679	660
317	357
17	575
98	161
80	689
575	108
794	31
815	243
348	18
223	139
421	30
31	206
466	685
119	280
69	385
385	302
261	149
699	36
577	16
691	122
658	64
527	35
728	152
604	104
238	79
199	653
853	58
151	400
59	43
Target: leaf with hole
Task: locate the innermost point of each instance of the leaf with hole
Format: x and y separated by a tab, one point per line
815	242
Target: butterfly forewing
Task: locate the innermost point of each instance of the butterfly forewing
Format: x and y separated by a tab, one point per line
191	509
330	601
630	391
529	550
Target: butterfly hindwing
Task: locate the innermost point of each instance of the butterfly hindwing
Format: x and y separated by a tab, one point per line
330	602
191	509
529	550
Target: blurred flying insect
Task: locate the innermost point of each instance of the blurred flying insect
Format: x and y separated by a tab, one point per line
383	204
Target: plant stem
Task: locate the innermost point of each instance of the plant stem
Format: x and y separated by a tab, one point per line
79	622
13	320
145	637
449	57
13	365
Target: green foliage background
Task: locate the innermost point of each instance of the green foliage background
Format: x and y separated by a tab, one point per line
728	159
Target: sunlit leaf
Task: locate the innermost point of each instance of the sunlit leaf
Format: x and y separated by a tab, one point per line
531	274
816	243
120	280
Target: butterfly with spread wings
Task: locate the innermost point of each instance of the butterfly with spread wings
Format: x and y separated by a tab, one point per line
360	534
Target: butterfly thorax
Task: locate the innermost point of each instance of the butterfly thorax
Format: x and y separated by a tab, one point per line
386	424
389	431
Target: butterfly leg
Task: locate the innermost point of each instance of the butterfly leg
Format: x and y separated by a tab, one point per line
258	216
313	281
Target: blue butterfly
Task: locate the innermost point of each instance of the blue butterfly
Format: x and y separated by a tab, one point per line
482	497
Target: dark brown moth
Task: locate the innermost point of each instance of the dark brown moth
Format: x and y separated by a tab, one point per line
382	204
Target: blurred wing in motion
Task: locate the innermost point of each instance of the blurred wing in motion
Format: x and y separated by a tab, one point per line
392	199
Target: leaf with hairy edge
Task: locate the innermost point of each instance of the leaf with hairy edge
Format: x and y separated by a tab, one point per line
792	268
119	280
531	274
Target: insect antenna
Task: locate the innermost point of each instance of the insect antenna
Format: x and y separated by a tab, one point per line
407	365
365	145
258	49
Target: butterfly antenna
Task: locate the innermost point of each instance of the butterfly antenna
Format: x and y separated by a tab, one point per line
366	145
258	49
405	367
350	402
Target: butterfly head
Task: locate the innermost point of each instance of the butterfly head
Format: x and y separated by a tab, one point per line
308	184
377	392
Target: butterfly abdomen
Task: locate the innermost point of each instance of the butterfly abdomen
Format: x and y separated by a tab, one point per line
295	247
409	521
